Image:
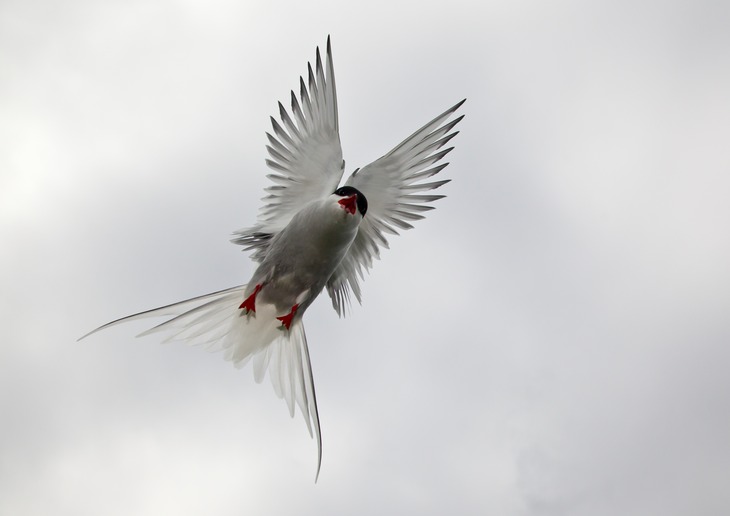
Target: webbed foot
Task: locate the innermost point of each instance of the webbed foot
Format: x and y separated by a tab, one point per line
249	304
286	319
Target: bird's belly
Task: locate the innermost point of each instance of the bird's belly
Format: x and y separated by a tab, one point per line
296	271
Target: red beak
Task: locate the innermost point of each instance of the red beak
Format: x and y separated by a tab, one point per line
349	203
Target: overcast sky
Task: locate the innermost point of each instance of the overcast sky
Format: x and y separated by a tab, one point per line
554	339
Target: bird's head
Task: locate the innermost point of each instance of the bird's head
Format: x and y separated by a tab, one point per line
351	200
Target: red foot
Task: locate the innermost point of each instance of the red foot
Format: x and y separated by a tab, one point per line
249	304
286	319
349	203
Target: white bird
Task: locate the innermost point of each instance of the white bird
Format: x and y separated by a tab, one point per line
310	235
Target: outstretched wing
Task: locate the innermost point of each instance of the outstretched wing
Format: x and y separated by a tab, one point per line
216	322
393	186
304	154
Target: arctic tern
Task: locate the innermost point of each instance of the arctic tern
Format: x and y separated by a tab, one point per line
310	235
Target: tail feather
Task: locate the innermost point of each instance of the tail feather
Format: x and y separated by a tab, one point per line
215	322
196	325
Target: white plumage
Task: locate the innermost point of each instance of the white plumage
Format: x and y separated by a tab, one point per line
310	235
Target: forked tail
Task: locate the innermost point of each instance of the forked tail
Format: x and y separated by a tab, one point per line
216	322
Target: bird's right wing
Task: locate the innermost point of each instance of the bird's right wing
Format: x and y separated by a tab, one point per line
304	154
394	187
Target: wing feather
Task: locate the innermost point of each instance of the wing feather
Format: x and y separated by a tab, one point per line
304	153
393	186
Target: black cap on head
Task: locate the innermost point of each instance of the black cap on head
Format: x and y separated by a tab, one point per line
362	202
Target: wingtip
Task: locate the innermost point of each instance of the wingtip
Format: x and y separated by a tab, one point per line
329	53
457	105
329	49
282	111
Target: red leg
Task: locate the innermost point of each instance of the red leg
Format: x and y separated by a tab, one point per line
249	304
286	319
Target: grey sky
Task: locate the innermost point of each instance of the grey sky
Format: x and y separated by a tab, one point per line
552	340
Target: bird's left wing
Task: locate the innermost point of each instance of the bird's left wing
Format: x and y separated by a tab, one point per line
304	154
393	186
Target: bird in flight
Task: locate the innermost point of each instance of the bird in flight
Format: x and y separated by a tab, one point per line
311	234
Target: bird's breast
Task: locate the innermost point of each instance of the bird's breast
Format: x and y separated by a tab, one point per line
305	254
